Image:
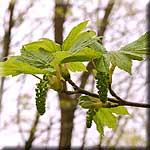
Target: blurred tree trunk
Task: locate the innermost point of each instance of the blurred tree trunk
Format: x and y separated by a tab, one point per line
7	42
67	104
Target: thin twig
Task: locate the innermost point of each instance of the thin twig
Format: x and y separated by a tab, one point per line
36	76
114	94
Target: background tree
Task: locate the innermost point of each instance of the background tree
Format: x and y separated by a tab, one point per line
105	19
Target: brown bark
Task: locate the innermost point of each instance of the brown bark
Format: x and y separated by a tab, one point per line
32	137
67	104
60	15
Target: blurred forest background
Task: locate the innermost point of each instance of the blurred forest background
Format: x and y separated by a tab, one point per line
63	124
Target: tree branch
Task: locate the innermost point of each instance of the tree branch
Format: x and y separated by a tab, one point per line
31	137
116	100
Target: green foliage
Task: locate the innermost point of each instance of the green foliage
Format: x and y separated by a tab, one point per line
100	114
85	54
54	61
105	117
98	47
137	49
133	51
90	102
120	110
14	67
44	44
120	60
39	58
72	37
76	66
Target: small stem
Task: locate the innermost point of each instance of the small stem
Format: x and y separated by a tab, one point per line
36	76
111	70
114	94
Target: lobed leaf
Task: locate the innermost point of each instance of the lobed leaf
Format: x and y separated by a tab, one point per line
14	67
59	56
71	38
97	47
121	110
43	43
76	66
120	60
91	102
39	58
105	117
99	124
137	49
82	40
102	64
85	54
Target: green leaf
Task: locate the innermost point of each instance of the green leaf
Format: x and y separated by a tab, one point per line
132	55
90	102
85	102
82	40
102	64
76	66
120	60
14	67
98	47
85	54
121	110
71	38
39	58
106	117
137	49
43	43
99	124
59	56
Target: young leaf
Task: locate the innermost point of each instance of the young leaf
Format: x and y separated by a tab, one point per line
59	56
97	47
43	43
67	44
99	124
137	49
14	67
90	102
39	58
106	117
102	64
82	40
121	110
85	54
122	61
133	51
76	66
